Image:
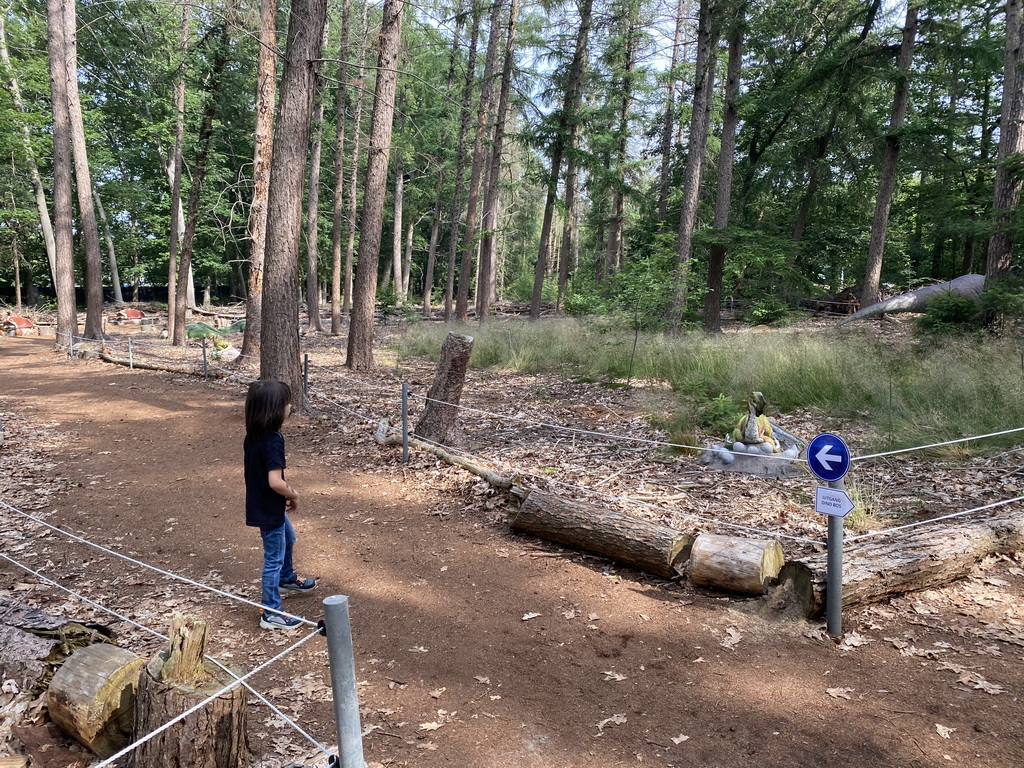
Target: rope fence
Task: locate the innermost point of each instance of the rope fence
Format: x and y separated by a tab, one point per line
575	432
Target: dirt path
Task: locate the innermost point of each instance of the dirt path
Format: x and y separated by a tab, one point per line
614	669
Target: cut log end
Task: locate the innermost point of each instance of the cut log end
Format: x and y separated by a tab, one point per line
745	566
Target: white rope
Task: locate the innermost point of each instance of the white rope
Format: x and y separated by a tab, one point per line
647	505
591	432
169	574
889	531
937	445
204	702
152	631
318	393
337	375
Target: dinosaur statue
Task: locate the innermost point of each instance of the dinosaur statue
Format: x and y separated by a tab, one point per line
754	428
917	301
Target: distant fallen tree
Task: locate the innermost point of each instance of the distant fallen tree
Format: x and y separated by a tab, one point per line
917	301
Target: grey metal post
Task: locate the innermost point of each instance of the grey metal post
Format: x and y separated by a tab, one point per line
131	356
343	681
834	575
305	377
206	372
405	423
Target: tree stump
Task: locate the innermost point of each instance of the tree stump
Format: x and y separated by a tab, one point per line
733	564
175	680
648	546
439	422
887	566
92	697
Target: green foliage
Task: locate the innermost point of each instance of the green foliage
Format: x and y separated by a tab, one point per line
950	313
766	311
907	394
1002	302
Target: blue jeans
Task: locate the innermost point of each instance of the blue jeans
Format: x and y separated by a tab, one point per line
277	561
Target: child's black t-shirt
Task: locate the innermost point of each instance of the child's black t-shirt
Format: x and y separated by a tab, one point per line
263	505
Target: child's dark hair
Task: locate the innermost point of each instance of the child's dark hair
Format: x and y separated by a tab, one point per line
265	407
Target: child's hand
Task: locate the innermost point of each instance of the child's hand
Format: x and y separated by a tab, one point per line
291	504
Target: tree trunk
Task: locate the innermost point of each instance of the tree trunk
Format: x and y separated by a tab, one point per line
353	194
115	274
460	162
703	88
263	140
45	224
313	213
439	422
488	243
469	238
279	339
568	118
338	209
175	167
723	193
64	273
360	334
185	284
88	230
890	158
640	544
175	680
889	566
668	127
397	228
1011	145
569	234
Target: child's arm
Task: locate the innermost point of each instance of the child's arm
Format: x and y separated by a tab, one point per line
277	482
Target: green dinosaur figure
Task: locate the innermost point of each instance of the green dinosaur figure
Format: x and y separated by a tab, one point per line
201	330
236	327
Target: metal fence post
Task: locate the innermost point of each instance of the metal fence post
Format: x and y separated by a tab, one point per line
405	423
206	373
343	681
131	356
305	377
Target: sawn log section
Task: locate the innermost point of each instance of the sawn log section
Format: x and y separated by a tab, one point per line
887	566
648	546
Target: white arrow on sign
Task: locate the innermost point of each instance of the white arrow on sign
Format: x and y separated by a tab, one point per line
825	458
832	501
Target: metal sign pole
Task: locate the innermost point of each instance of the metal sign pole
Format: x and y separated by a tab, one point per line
834	574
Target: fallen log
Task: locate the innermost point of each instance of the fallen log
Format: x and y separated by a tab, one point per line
970	286
638	543
729	563
891	565
92	697
382	437
173	682
34	643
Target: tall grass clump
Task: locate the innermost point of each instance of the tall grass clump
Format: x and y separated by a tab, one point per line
907	393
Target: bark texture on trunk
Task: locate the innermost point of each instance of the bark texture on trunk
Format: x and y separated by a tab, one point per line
746	566
64	274
889	566
360	334
648	546
263	139
439	422
279	338
890	160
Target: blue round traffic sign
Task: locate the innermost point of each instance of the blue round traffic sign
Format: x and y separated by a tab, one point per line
828	457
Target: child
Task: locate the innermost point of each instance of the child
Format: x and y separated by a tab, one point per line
268	497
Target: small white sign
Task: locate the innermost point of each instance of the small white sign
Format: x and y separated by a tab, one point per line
832	501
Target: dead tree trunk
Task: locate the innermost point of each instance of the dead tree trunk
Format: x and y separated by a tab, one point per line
439	422
650	547
175	680
892	565
733	564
